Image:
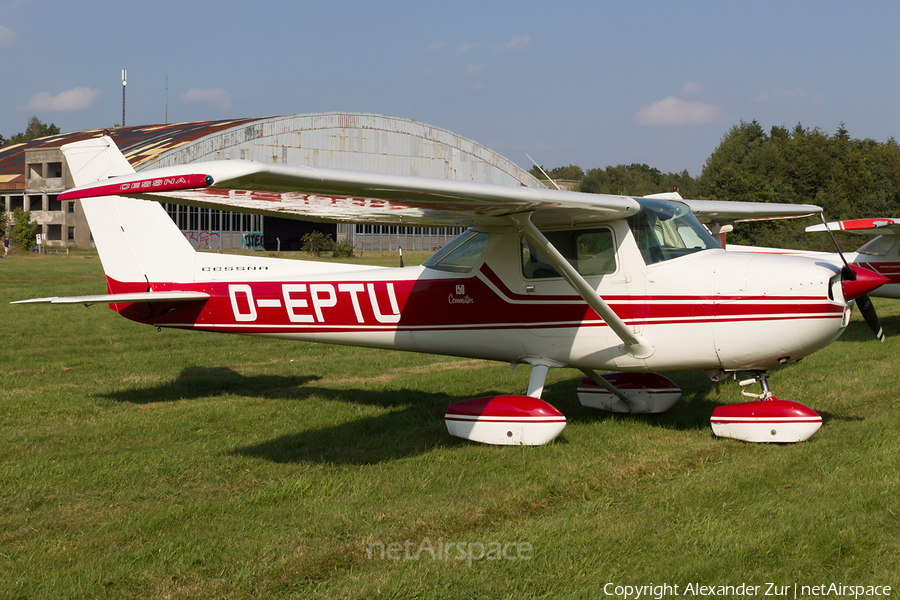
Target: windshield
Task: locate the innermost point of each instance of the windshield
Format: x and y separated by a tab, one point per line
460	255
879	246
665	229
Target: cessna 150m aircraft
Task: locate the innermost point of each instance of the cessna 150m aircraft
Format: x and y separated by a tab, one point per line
542	277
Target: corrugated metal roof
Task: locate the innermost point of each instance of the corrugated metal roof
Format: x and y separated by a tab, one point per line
355	141
139	144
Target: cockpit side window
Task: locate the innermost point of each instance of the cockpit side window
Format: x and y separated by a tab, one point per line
666	229
461	254
590	251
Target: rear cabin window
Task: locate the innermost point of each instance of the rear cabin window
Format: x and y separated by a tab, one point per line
591	251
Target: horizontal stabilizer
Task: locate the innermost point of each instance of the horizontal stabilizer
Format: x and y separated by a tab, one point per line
117	298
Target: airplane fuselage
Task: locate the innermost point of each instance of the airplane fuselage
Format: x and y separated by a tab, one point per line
708	310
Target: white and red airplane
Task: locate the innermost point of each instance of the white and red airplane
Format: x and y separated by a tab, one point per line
880	254
542	277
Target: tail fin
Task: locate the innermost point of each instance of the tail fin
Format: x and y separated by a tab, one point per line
94	160
138	242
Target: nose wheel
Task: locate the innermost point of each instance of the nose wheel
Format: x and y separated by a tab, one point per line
763	380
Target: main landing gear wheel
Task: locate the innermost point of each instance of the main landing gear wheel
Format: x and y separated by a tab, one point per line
766	420
509	420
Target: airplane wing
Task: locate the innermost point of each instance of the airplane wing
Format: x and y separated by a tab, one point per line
332	195
723	212
878	226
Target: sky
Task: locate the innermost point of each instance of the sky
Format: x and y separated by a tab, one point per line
588	83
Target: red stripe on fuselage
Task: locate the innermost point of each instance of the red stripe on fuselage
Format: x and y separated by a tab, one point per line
469	303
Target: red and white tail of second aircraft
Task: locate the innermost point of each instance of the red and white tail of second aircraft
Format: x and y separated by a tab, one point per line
880	254
542	277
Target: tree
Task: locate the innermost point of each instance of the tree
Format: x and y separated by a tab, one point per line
343	249
35	129
4	219
636	179
569	173
848	178
24	229
316	242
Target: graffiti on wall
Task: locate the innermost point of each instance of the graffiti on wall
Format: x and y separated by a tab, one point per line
204	240
252	240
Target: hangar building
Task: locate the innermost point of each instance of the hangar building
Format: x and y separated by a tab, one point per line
33	174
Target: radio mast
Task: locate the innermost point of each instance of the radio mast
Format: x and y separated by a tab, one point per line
124	73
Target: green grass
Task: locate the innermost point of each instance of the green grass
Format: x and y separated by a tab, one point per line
145	464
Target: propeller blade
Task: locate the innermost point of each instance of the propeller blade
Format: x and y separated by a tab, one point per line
868	312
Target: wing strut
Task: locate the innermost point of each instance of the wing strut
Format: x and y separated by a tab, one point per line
635	345
596	378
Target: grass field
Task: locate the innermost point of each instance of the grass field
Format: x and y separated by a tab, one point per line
145	464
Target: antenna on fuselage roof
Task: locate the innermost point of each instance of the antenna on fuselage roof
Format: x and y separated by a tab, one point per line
544	172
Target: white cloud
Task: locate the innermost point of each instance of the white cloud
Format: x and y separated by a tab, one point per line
478	87
474	69
216	98
517	42
463	48
80	98
7	37
675	111
435	46
692	88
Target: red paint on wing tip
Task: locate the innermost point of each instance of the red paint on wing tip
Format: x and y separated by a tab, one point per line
140	186
865	282
867	224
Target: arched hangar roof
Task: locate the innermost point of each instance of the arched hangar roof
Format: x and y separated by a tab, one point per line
353	141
